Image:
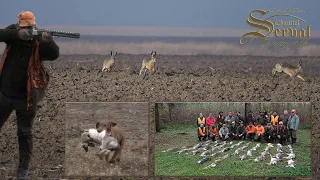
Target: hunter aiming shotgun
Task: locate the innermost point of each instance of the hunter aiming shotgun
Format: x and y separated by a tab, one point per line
24	79
38	32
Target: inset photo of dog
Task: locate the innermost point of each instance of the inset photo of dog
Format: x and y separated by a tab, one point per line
106	139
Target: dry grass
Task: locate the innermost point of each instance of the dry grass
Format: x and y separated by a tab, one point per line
186	48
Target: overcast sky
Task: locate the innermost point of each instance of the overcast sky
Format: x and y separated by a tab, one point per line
163	13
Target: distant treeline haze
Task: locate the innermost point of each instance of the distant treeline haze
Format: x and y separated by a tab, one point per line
181	47
174	113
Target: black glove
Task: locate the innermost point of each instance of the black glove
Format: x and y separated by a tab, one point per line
24	35
46	38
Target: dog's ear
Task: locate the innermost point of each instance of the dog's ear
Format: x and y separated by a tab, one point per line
98	124
113	124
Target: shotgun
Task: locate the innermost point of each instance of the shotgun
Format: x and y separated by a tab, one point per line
38	32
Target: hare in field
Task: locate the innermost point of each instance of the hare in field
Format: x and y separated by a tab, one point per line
109	63
292	71
148	64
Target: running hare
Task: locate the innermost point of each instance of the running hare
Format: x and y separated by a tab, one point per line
292	71
148	64
108	63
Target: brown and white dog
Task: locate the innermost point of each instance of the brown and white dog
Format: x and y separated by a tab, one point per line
115	132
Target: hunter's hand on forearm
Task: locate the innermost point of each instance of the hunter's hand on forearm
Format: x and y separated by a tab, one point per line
24	35
46	38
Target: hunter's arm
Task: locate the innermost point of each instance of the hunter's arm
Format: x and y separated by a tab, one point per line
49	51
8	34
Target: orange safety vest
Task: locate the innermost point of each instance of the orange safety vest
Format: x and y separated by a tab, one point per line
250	130
274	120
259	130
214	130
201	121
202	132
220	117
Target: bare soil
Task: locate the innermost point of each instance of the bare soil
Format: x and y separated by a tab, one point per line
177	78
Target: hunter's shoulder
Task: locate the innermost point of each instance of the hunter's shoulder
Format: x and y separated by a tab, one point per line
11	26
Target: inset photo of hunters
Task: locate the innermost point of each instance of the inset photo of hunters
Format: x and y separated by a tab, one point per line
233	139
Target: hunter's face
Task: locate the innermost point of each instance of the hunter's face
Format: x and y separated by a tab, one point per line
27	27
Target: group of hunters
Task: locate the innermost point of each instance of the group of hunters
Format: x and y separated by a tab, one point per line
272	130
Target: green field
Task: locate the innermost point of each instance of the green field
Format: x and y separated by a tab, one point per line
174	164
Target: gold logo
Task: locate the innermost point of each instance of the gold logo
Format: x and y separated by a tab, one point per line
284	28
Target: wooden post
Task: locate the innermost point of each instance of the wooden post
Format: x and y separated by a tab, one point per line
156	113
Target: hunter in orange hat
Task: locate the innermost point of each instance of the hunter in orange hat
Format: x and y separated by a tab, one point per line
26	19
23	80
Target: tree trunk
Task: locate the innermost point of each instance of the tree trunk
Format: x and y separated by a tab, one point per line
171	106
247	109
156	113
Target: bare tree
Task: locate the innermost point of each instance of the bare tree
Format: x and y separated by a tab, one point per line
171	106
247	109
